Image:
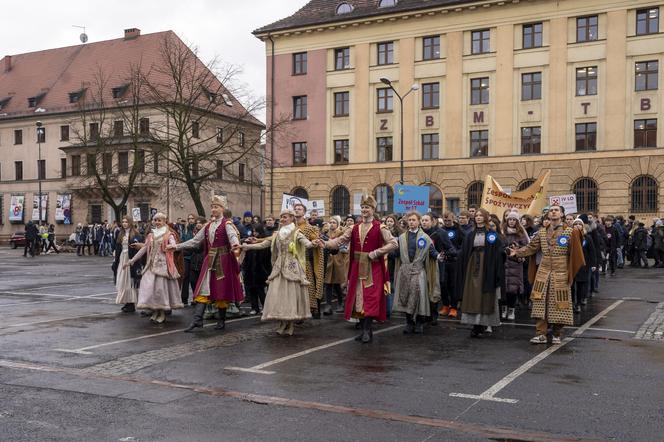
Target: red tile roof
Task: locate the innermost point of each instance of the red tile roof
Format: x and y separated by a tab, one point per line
55	73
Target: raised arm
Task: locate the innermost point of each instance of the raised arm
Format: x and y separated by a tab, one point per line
389	244
193	243
533	247
142	251
334	244
265	243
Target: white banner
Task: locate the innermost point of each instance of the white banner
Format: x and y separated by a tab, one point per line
357	202
567	201
35	207
318	206
63	208
136	214
288	201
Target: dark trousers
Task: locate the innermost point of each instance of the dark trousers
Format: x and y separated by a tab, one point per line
29	247
509	300
642	257
594	280
613	259
580	291
184	292
449	293
95	245
256	294
331	290
51	245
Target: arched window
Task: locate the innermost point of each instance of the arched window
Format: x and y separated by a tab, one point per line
387	3
644	194
340	197
435	200
523	185
344	8
585	190
475	191
300	192
385	198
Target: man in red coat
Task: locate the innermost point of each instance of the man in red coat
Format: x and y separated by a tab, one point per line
367	272
219	280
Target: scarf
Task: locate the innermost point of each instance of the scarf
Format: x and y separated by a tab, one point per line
159	232
286	231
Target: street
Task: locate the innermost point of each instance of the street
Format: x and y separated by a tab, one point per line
73	367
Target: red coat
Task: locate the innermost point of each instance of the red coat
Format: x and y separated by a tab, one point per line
375	303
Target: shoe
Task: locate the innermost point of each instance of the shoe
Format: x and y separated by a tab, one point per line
555	340
290	328
197	322
221	323
510	314
476	331
410	328
129	307
358	326
367	332
453	313
281	327
252	313
539	339
444	311
340	308
577	308
419	328
327	310
161	317
503	312
488	330
154	316
584	301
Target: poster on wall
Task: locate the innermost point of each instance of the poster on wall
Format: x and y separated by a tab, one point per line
136	214
35	207
63	208
16	205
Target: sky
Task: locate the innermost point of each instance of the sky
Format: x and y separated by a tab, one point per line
219	28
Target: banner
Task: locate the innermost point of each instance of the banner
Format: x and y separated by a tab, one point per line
136	214
318	206
409	198
357	203
35	207
63	208
529	201
289	201
567	201
16	205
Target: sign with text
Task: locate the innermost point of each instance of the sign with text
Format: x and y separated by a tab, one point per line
566	201
529	201
409	198
63	208
288	202
317	205
16	205
136	214
35	207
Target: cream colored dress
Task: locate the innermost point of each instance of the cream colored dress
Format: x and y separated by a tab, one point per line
127	293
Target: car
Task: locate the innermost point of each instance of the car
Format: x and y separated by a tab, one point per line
17	240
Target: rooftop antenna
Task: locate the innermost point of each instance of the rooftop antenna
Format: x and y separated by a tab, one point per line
83	36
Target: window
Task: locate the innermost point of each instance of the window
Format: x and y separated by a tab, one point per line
385	99
300	108
341	59
220	135
300	193
532	36
107	163
431	48
384	198
139	161
240	136
195	129
646	75
155	162
299	154
386	53
18	170
145	211
645	133
123	162
94	132
453	205
344	8
41	169
75	165
479	143
91	162
480	42
241	172
586	28
95	213
387	3
435	200
300	63
119	91
384	149
118	129
341	151
340	201
18	136
63	168
531	86
647	21
430	95
74	97
586	136
41	135
144	126
341	104
585	190
644	194
479	90
531	140
523	185
220	170
64	133
475	191
430	146
586	81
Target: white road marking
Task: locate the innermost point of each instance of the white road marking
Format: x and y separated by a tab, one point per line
490	394
26	324
52	295
258	369
85	350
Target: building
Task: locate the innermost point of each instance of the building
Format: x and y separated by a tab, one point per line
67	114
506	88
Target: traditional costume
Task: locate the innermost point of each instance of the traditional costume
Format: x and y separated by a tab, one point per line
315	267
127	279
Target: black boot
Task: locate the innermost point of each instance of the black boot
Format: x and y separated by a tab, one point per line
367	332
221	323
419	325
316	313
410	325
199	311
341	308
327	309
358	338
129	307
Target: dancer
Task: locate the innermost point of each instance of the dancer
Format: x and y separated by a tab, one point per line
127	280
219	281
287	298
159	290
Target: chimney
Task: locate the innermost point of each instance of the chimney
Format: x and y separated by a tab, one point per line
8	63
131	33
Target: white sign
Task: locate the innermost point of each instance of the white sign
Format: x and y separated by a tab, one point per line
566	201
35	207
136	214
289	201
357	202
318	206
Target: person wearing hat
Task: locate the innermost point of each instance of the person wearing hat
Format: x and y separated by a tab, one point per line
315	264
287	299
369	242
219	280
581	286
336	268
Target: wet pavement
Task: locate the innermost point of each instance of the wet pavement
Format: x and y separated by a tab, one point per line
73	368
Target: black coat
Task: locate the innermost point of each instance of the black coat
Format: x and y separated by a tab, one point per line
135	269
31	231
590	256
494	267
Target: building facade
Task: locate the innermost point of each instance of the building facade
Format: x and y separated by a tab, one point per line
509	89
55	132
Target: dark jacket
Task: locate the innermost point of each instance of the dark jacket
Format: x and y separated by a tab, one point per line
514	266
493	258
590	257
135	269
641	239
31	231
612	238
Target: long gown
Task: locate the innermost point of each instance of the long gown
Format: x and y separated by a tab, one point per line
127	293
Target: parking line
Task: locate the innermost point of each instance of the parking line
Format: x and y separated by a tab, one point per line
74	298
26	324
490	393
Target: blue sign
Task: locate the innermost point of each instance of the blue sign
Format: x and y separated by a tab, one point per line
421	243
451	234
491	237
409	198
563	241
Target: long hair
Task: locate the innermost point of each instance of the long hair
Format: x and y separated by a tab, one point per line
396	229
485	215
132	230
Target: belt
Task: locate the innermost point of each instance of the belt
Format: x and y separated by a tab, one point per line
214	262
365	272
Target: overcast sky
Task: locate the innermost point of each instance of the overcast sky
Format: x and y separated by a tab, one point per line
220	28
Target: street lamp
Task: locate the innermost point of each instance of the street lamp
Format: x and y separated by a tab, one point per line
414	87
40	134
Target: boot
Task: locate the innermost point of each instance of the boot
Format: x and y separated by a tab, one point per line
290	328
129	307
281	328
341	308
410	325
419	326
316	313
327	309
510	314
199	311
161	317
367	333
358	338
503	312
221	323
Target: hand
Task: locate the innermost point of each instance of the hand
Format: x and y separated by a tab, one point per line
372	256
127	265
251	240
171	247
593	269
138	245
235	247
441	257
511	251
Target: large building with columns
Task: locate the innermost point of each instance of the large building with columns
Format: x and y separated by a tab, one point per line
505	88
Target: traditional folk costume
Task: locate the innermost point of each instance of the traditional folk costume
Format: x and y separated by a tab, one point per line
417	285
368	280
159	290
219	280
127	279
336	272
287	298
315	267
562	257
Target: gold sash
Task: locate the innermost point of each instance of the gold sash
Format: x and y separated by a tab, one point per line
365	272
214	261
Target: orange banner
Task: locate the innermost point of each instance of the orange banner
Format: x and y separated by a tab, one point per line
529	201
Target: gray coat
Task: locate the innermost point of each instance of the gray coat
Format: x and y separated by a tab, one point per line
514	267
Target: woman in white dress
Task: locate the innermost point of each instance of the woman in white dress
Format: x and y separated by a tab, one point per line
287	297
126	279
159	290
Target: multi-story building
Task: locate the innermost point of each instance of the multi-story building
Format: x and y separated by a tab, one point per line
81	95
506	88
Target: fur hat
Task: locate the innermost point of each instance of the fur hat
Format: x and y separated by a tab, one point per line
513	214
369	200
219	200
287	212
337	218
578	220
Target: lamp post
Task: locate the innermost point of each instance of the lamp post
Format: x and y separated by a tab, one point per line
40	134
414	87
